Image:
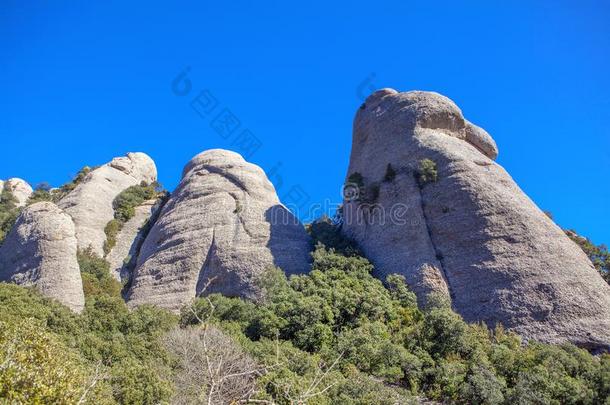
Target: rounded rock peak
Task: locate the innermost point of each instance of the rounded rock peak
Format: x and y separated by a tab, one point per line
136	164
20	189
379	94
214	157
424	109
15	182
50	221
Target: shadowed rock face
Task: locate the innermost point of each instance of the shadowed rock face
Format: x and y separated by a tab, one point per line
223	223
90	203
40	251
20	189
473	234
130	238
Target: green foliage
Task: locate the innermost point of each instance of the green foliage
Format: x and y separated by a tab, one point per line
125	203
125	208
95	272
324	231
66	188
374	334
390	174
334	336
42	192
598	254
8	211
37	367
111	230
125	345
427	172
356	179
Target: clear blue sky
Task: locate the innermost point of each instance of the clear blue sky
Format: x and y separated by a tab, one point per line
81	83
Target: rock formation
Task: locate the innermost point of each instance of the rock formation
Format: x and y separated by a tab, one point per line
471	234
222	226
90	203
20	189
129	239
40	251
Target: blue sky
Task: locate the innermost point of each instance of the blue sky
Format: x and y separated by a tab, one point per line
84	82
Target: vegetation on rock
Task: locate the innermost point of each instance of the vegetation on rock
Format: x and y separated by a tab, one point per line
598	254
124	208
44	192
390	174
427	172
339	314
8	211
334	336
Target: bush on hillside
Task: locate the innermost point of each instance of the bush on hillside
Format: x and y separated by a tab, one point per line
340	313
427	172
8	211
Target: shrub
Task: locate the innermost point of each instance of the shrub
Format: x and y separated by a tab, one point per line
211	367
111	230
36	367
125	203
126	344
390	174
8	211
42	192
95	272
125	208
427	172
326	232
599	255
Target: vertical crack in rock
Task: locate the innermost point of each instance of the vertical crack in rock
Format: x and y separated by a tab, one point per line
437	252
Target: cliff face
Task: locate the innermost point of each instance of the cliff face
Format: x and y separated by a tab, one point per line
222	226
40	251
453	222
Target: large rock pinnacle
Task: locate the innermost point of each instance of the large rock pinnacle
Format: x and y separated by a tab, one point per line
221	228
472	234
90	203
40	251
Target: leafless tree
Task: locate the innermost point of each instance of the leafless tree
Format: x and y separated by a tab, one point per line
212	368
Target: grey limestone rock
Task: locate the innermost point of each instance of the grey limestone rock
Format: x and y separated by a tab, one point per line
473	234
90	203
221	228
40	251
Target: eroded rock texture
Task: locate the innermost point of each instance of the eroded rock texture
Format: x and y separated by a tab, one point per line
40	251
20	189
223	223
473	234
90	203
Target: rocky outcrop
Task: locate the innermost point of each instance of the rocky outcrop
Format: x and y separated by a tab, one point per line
90	203
129	240
20	189
40	251
472	234
221	228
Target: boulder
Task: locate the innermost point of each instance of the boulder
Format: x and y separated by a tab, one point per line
90	203
472	234
129	240
221	228
40	251
20	189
